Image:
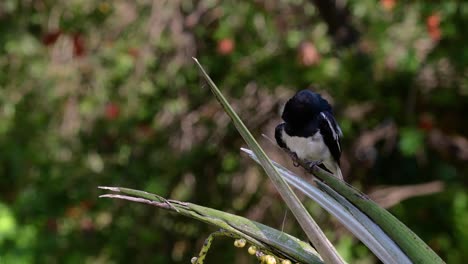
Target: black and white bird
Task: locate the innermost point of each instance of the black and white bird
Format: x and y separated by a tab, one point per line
310	131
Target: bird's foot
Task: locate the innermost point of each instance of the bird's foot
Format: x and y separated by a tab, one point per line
294	158
311	164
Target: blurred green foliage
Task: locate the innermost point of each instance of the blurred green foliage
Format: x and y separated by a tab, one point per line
105	93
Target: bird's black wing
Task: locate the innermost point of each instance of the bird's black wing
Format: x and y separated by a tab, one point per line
279	140
331	133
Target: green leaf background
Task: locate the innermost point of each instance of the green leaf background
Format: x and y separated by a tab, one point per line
115	99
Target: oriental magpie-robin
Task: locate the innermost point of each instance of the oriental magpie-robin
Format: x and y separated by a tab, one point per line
310	132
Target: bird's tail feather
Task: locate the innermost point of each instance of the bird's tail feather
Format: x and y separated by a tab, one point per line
338	173
334	168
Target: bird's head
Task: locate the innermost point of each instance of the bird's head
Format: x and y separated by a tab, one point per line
303	107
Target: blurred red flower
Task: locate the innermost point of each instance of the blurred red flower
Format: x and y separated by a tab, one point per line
112	111
51	37
78	45
388	4
433	26
308	54
226	46
426	122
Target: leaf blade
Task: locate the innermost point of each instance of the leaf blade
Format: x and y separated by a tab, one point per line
274	241
352	218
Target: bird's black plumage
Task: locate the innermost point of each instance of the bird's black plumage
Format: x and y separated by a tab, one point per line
305	115
278	130
331	134
303	107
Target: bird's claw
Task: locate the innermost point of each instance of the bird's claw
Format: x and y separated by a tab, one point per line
311	164
295	159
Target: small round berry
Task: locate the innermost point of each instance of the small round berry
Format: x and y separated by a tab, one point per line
240	243
269	259
286	261
252	250
193	260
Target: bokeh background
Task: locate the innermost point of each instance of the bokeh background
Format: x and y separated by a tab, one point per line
105	93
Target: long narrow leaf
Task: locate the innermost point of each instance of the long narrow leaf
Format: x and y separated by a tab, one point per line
310	227
351	217
271	240
407	240
398	256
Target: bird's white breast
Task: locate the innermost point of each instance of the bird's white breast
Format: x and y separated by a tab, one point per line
312	148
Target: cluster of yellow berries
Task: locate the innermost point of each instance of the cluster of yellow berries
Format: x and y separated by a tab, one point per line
240	243
264	258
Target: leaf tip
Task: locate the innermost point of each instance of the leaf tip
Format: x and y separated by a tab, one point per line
114	189
246	150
